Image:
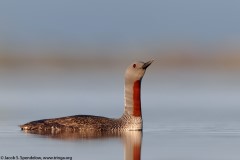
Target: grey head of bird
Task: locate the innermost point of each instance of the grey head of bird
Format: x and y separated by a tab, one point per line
137	70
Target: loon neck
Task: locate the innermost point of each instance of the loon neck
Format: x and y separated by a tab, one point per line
132	98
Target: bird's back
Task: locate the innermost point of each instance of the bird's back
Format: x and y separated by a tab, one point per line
74	123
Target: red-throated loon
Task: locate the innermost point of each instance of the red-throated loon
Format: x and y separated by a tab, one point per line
130	120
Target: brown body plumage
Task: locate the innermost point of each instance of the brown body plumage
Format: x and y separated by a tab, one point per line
82	123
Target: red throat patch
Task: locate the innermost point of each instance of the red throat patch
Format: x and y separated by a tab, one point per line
137	98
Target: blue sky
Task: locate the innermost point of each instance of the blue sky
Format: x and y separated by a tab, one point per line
32	25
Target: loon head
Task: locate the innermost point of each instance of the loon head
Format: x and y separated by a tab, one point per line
136	70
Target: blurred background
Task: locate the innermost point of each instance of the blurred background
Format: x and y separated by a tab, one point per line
60	58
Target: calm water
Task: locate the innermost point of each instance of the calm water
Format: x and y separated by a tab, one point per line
187	114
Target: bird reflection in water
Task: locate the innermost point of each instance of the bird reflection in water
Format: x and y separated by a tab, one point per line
132	140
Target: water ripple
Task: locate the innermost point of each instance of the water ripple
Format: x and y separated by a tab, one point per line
208	129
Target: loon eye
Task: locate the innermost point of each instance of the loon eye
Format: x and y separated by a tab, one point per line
134	65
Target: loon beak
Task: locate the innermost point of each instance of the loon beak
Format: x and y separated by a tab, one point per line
147	64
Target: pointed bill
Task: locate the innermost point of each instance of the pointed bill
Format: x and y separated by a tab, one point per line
147	64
